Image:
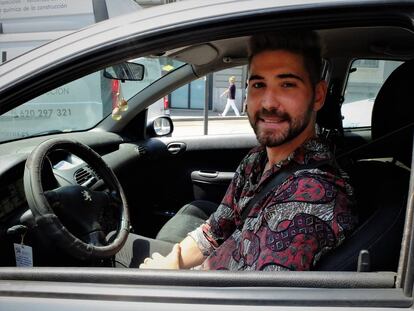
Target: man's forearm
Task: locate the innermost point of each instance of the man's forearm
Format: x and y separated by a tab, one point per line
183	256
191	256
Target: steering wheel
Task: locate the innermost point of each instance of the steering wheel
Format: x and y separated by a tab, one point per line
79	207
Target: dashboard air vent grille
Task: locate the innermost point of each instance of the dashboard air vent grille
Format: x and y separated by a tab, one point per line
141	149
84	174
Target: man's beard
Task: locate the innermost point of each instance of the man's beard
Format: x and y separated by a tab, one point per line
270	138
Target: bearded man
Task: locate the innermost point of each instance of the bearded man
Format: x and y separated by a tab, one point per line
294	222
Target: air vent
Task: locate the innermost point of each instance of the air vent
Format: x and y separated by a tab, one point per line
84	174
141	150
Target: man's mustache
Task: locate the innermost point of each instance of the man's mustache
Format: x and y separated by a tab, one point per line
272	113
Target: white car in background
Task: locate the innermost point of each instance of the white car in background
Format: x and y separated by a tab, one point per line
358	113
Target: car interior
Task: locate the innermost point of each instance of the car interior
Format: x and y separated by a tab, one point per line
157	173
376	158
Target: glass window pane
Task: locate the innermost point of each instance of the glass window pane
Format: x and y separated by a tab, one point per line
364	82
82	103
198	93
77	105
179	98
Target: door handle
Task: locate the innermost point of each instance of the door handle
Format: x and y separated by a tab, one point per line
176	148
208	174
211	177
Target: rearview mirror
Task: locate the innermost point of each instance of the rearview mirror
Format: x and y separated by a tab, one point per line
126	71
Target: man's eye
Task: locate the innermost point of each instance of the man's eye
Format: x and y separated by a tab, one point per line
288	84
258	85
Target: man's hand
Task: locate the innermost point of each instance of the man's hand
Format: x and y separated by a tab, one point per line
183	256
157	261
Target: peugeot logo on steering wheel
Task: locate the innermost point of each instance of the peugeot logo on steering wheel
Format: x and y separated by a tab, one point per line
86	195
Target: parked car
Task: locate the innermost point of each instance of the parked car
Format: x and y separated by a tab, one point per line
358	113
142	175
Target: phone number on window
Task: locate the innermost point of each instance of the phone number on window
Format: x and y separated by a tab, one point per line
43	113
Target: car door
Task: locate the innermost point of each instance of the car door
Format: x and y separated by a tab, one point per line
174	171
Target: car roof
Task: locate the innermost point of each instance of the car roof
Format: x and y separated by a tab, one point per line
117	38
100	34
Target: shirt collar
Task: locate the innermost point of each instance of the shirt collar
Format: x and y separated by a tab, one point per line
313	149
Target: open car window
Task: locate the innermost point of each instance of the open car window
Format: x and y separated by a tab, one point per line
200	107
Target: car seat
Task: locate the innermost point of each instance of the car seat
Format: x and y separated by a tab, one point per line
381	186
188	218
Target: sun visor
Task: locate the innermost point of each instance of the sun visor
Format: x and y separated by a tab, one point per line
197	55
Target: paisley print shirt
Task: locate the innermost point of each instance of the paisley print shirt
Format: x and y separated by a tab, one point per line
291	227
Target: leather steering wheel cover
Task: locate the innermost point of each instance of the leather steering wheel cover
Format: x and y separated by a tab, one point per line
44	214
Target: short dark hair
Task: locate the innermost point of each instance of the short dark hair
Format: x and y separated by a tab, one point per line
305	43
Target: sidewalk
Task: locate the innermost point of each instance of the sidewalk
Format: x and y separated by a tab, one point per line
195	115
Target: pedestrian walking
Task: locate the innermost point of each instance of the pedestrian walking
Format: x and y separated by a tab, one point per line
231	97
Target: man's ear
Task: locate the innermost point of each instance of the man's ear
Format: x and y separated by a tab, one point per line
320	95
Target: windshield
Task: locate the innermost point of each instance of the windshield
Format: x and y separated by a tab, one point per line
80	104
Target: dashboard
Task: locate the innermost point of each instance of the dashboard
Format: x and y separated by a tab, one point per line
68	162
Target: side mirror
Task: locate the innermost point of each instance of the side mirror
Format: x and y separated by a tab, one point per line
160	126
126	71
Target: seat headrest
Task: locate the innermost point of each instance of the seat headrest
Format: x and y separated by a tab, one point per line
394	109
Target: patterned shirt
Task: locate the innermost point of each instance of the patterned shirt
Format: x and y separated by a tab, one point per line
291	227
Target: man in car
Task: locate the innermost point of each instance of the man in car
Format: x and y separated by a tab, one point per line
305	215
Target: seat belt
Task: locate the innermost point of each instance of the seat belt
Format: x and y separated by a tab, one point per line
277	180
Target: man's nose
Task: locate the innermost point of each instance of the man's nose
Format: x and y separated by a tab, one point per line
270	99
